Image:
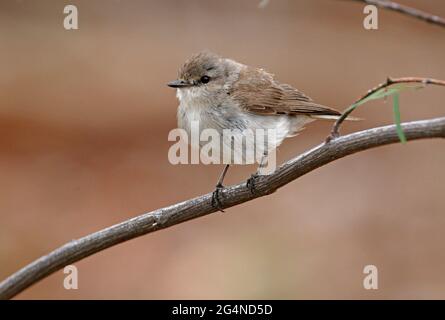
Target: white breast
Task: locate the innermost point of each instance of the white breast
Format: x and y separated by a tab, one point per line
195	107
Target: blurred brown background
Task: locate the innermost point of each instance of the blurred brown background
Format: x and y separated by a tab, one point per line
84	118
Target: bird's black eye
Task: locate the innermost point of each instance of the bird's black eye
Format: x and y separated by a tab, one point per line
205	79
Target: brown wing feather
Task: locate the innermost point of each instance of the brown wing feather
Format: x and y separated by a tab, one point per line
258	92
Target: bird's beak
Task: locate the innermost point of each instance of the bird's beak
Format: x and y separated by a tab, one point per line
179	84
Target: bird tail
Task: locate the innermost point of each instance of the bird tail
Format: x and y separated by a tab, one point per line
333	117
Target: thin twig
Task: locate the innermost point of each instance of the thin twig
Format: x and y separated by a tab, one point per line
416	13
389	82
201	206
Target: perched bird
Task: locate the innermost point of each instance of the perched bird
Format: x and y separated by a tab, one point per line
221	94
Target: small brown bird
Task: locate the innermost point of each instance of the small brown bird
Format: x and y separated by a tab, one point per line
223	94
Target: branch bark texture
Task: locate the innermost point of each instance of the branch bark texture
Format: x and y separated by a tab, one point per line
202	205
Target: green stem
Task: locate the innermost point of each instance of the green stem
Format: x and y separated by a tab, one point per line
396	110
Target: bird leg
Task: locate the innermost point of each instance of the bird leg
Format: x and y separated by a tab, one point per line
250	184
216	202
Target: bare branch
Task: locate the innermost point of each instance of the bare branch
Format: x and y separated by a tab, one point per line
416	13
201	206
